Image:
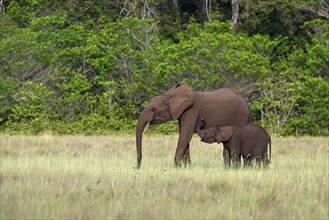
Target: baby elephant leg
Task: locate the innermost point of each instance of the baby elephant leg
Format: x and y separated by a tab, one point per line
227	157
235	159
259	160
266	160
247	160
258	155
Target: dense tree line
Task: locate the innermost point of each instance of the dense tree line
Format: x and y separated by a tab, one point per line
90	66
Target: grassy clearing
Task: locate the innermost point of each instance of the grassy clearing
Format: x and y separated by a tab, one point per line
93	177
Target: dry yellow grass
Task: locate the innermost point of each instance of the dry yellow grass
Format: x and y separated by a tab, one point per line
85	177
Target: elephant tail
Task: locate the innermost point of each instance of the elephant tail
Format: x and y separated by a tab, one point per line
269	149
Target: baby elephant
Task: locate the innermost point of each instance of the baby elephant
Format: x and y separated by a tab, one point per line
249	141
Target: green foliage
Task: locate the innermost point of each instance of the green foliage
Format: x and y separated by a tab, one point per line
314	99
80	67
7	88
275	18
209	58
31	111
21	55
293	100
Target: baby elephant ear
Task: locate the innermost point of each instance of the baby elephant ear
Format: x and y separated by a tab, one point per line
223	134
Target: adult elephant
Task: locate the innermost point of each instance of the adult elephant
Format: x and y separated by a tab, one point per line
221	107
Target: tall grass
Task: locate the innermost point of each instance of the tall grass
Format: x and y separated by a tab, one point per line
81	177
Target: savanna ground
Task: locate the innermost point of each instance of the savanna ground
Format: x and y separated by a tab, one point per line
87	177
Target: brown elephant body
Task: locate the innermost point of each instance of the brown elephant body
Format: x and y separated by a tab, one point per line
221	107
249	141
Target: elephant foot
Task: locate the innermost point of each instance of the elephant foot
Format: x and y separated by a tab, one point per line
182	162
236	165
186	161
178	163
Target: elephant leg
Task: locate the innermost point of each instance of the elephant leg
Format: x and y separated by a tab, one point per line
247	160
186	157
183	151
235	159
266	160
186	129
227	158
258	161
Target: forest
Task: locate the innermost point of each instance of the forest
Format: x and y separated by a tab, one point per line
90	66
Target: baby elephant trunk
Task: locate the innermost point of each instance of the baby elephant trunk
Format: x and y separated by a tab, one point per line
201	125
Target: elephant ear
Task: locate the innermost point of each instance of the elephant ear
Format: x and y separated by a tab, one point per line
223	134
180	98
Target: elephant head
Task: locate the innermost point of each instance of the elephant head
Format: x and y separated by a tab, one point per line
213	134
161	109
206	135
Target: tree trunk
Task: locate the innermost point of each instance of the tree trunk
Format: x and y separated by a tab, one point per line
235	14
175	3
2	8
208	9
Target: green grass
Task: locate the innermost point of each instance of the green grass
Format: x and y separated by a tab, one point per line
81	177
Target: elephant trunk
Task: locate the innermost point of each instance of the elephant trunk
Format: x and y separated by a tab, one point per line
141	127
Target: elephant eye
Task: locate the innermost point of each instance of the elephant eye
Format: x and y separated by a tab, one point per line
153	109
